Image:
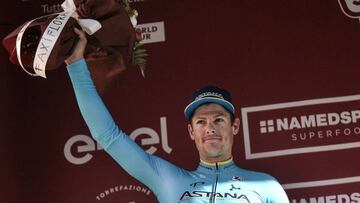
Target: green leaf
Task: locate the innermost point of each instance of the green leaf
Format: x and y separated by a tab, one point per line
140	61
141	55
138	51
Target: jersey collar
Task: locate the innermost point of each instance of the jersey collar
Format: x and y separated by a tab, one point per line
216	166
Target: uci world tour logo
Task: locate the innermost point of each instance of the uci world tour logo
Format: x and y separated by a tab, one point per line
306	126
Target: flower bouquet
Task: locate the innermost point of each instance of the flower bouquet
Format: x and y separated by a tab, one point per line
44	43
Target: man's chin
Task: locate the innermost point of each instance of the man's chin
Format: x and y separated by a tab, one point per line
214	152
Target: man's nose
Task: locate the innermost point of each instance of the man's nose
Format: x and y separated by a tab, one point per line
210	129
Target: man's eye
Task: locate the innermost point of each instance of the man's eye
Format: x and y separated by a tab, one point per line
219	119
200	122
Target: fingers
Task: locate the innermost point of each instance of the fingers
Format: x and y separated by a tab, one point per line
80	33
79	49
77	30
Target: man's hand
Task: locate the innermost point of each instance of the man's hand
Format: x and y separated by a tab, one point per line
79	49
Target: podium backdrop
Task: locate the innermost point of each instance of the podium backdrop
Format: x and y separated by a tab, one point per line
292	67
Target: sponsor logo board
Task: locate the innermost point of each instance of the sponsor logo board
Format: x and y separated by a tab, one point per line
152	32
301	127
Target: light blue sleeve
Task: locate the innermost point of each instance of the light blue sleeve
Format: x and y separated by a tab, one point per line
139	164
276	193
268	186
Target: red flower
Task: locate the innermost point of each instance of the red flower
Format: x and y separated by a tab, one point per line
138	34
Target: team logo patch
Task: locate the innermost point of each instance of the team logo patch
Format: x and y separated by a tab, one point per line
238	178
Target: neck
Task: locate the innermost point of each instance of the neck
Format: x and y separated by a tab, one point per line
219	162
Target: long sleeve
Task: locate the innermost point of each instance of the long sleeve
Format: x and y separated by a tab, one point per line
141	165
168	182
93	110
277	193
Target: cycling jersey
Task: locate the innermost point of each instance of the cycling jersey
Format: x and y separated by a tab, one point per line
211	182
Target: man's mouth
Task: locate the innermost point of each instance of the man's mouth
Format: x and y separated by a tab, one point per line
212	139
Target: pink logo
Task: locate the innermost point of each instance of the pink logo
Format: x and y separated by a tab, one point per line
350	8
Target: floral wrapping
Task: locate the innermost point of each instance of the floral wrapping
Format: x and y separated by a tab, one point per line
109	50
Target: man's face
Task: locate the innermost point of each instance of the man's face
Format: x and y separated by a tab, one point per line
213	133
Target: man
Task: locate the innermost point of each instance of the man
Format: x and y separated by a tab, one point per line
212	126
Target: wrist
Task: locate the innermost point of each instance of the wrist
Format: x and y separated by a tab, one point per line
72	59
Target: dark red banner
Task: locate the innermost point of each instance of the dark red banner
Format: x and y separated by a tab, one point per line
292	68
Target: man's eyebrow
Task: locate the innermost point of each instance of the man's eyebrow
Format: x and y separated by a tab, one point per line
216	114
220	114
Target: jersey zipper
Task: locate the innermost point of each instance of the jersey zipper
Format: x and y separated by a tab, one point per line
214	189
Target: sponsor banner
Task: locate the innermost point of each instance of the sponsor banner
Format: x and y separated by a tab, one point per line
51	8
301	127
350	8
328	191
79	149
322	183
152	32
129	192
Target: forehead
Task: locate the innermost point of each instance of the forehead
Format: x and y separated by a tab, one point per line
211	109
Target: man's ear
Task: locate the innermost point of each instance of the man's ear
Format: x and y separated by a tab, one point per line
236	126
191	131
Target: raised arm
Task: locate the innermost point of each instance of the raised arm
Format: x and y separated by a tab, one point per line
141	165
93	110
